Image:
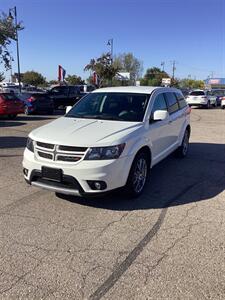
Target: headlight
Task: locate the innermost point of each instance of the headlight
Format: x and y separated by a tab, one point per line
30	145
111	152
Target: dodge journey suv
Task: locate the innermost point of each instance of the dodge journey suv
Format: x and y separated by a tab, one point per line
110	139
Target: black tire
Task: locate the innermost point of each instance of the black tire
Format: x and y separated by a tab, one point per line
222	107
182	151
26	110
12	116
50	112
138	176
208	105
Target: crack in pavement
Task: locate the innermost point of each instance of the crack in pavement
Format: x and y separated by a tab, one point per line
127	262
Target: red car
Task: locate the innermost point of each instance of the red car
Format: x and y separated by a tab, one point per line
10	105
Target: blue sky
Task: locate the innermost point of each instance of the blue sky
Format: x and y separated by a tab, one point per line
71	32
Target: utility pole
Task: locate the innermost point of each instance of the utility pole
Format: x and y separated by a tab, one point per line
110	43
10	19
174	69
163	65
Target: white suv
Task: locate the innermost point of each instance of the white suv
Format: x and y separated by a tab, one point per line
199	98
109	139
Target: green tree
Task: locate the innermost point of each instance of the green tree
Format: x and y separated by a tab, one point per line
104	68
127	62
52	82
191	84
2	77
33	78
7	34
153	77
74	80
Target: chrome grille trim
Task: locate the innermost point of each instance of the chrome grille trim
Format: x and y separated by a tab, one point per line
45	145
59	153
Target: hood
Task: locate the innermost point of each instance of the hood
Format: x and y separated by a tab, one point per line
84	132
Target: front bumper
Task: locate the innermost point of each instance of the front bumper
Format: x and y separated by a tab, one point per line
113	172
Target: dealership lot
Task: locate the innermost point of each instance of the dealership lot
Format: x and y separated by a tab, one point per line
168	244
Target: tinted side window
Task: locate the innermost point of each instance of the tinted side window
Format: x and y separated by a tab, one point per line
182	102
159	103
172	102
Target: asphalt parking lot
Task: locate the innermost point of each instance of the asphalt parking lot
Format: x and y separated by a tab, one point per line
168	244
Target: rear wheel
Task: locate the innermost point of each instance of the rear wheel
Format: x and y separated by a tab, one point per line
12	116
207	105
183	149
138	175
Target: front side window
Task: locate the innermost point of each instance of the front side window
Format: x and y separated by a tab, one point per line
172	102
129	107
159	104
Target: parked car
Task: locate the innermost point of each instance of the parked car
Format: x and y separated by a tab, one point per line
35	103
222	102
216	95
199	98
63	96
10	105
108	140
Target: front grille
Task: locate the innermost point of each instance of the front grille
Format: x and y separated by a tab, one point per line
45	145
45	155
70	148
61	153
68	158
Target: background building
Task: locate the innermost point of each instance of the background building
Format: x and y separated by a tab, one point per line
215	83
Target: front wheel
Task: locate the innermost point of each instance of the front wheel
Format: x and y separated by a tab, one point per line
183	149
138	175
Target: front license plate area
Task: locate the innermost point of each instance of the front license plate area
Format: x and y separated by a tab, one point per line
52	174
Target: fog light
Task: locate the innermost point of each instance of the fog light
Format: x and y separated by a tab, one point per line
97	185
25	171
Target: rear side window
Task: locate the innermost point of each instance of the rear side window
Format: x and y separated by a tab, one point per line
172	102
181	100
197	93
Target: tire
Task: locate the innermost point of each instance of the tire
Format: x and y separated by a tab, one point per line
182	151
222	107
26	110
215	104
138	176
12	116
208	105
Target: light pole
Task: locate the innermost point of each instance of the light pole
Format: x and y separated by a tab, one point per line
12	11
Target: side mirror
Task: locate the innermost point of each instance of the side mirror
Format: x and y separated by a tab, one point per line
160	115
68	108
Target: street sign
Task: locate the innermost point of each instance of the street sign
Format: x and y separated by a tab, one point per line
166	81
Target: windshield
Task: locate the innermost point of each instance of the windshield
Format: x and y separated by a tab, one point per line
111	106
